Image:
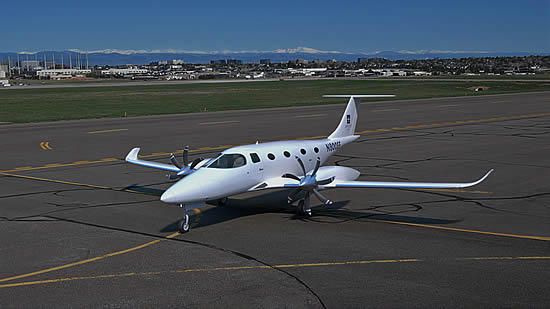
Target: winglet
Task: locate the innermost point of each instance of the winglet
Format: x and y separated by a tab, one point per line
132	155
482	178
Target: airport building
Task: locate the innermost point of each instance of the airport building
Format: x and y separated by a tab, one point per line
122	72
62	73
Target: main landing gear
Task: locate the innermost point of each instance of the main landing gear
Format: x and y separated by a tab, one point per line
183	224
304	208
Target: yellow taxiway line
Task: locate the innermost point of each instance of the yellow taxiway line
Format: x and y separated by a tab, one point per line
263	267
107	131
309	116
461	122
89	260
70	183
219	122
543	238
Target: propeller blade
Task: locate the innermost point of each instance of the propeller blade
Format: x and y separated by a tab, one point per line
307	200
291	176
325	181
186	155
292	195
317	164
195	162
174	161
321	198
301	165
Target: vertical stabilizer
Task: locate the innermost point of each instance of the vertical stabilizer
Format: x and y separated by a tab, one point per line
349	119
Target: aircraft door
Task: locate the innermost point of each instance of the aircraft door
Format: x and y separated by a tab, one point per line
256	166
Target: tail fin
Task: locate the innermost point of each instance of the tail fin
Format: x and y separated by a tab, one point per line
349	119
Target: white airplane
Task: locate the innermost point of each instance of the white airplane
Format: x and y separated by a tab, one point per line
274	165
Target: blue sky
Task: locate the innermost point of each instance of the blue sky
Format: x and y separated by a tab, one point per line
351	26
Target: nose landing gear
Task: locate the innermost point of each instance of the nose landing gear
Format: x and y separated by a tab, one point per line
183	224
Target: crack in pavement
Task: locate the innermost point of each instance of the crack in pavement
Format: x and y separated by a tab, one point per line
206	245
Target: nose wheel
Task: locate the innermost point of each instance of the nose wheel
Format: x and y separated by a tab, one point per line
183	224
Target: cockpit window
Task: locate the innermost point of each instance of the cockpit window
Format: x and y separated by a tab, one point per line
228	161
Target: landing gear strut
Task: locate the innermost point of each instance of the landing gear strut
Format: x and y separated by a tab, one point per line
303	208
183	224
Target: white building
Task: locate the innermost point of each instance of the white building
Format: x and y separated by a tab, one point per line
63	73
127	71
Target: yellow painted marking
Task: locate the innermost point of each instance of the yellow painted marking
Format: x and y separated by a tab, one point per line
219	122
107	131
89	260
497	258
262	267
45	145
70	183
447	105
308	116
457	122
385	110
544	238
28	168
199	270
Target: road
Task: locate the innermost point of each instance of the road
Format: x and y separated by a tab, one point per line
81	228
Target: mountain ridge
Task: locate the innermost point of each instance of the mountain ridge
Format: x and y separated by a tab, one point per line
139	57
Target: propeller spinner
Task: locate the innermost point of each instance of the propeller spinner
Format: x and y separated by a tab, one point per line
309	184
186	168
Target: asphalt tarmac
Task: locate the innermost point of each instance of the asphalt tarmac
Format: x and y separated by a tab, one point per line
79	228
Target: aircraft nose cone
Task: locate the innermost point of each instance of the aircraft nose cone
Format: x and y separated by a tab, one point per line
168	196
184	191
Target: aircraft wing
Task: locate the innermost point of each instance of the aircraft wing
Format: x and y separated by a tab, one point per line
132	158
384	184
274	183
282	182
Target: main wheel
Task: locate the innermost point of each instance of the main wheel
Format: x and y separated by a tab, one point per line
223	201
302	211
183	225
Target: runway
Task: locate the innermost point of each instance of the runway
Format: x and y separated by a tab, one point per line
79	228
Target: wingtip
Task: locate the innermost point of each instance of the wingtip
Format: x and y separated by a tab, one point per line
132	155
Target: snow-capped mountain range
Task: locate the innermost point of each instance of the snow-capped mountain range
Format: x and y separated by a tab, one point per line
119	57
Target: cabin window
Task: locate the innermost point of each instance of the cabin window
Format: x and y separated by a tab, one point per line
303	151
255	158
271	156
229	161
287	154
316	150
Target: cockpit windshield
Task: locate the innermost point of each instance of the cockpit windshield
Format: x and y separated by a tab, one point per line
228	161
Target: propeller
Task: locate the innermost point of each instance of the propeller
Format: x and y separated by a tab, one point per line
186	168
309	184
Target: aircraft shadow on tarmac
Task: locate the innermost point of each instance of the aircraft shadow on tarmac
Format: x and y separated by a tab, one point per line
276	202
